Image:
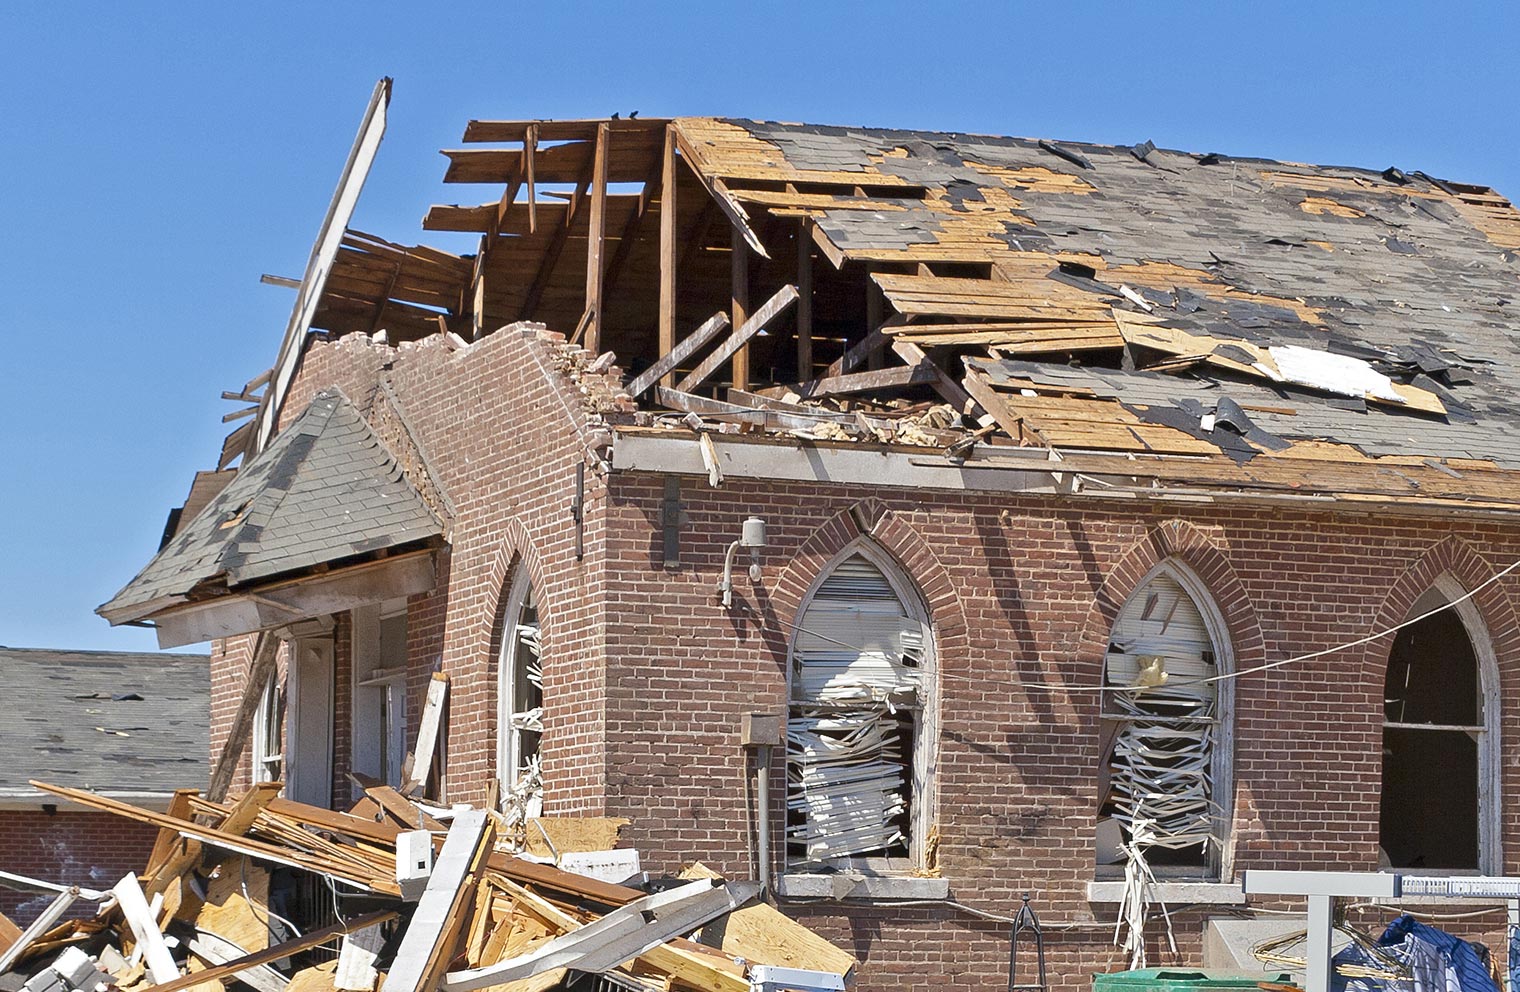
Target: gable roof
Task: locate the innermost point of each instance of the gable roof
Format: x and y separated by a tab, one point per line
326	489
103	720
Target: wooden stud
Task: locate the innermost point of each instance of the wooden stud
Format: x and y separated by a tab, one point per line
596	239
734	346
664	369
805	299
668	254
740	312
875	302
530	150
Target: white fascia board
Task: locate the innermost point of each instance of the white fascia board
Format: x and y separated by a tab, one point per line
680	454
35	799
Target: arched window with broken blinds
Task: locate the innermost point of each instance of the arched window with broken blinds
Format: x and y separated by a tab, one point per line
520	704
858	746
1165	733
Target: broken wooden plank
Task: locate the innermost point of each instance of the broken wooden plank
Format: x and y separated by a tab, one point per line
41	925
277	951
865	382
266	647
242	845
702	406
620	936
427	732
769	311
214	950
948	388
977	384
247	808
673	357
428	944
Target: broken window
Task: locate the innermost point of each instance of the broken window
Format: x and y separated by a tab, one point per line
858	751
1164	734
268	732
1434	744
379	700
520	703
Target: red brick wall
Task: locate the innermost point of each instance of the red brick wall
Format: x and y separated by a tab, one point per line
646	677
93	850
1023	592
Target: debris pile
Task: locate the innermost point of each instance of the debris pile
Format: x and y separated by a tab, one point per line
401	896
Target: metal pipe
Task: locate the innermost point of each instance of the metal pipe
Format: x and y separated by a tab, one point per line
763	820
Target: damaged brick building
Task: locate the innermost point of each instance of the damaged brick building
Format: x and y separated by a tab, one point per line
994	475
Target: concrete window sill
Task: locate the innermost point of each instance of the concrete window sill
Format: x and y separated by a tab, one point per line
878	887
1174	893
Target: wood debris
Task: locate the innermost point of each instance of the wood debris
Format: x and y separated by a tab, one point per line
284	897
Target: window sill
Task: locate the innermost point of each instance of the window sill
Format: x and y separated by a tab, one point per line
1174	893
849	886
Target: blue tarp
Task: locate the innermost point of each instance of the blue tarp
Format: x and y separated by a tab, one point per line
1438	962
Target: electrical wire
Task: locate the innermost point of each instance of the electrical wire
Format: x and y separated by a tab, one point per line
1238	673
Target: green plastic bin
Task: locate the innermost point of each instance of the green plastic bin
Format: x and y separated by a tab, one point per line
1179	980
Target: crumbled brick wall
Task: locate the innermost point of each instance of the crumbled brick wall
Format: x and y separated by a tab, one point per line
645	676
93	850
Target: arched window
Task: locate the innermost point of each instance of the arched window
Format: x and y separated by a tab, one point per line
1165	777
860	746
520	701
1440	776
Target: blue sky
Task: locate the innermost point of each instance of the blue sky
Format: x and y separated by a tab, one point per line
156	159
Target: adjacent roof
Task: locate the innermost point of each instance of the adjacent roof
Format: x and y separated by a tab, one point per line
101	719
325	490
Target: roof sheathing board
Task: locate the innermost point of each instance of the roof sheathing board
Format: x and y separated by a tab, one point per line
1383	268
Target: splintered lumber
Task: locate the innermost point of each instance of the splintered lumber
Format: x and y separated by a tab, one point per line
427	731
41	925
247	808
947	387
215	949
865	382
711	328
274	953
976	383
134	906
428	944
620	936
401	808
9	933
769	311
373	881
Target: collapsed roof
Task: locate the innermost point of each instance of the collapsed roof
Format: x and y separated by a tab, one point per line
922	288
1151	319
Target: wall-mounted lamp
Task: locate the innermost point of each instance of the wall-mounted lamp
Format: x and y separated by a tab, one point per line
752	536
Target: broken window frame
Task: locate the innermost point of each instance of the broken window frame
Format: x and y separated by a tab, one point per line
517	748
1222	758
268	732
922	799
1447	589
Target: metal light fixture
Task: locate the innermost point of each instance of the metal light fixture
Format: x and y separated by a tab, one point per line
752	536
